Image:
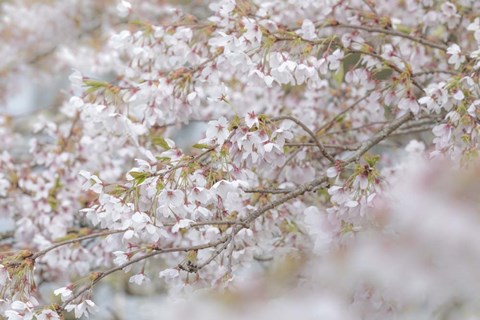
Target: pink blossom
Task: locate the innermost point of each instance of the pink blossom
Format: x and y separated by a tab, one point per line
409	103
84	308
455	55
218	130
251	119
308	30
138	279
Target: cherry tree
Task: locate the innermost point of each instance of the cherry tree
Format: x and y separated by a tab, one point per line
336	176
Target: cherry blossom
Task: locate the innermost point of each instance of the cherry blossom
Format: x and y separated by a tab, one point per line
334	59
217	131
138	279
64	292
48	315
83	309
308	30
409	103
475	27
298	158
455	57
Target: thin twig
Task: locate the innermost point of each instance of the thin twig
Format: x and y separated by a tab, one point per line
371	6
414	130
389	64
385	132
270	191
217	251
390	32
424	73
330	123
6	235
156	252
310	132
67	242
327	146
289	159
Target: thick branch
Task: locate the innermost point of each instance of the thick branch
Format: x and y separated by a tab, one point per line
384	133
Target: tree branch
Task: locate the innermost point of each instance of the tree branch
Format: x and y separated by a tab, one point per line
67	242
390	32
310	132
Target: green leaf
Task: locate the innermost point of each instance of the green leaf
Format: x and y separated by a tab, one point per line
159	141
115	190
95	83
234	123
201	146
351	60
341	118
160	186
139	177
383	74
404	29
338	76
53	202
371	160
163	159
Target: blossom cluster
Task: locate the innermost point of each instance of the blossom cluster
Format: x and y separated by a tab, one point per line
337	159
